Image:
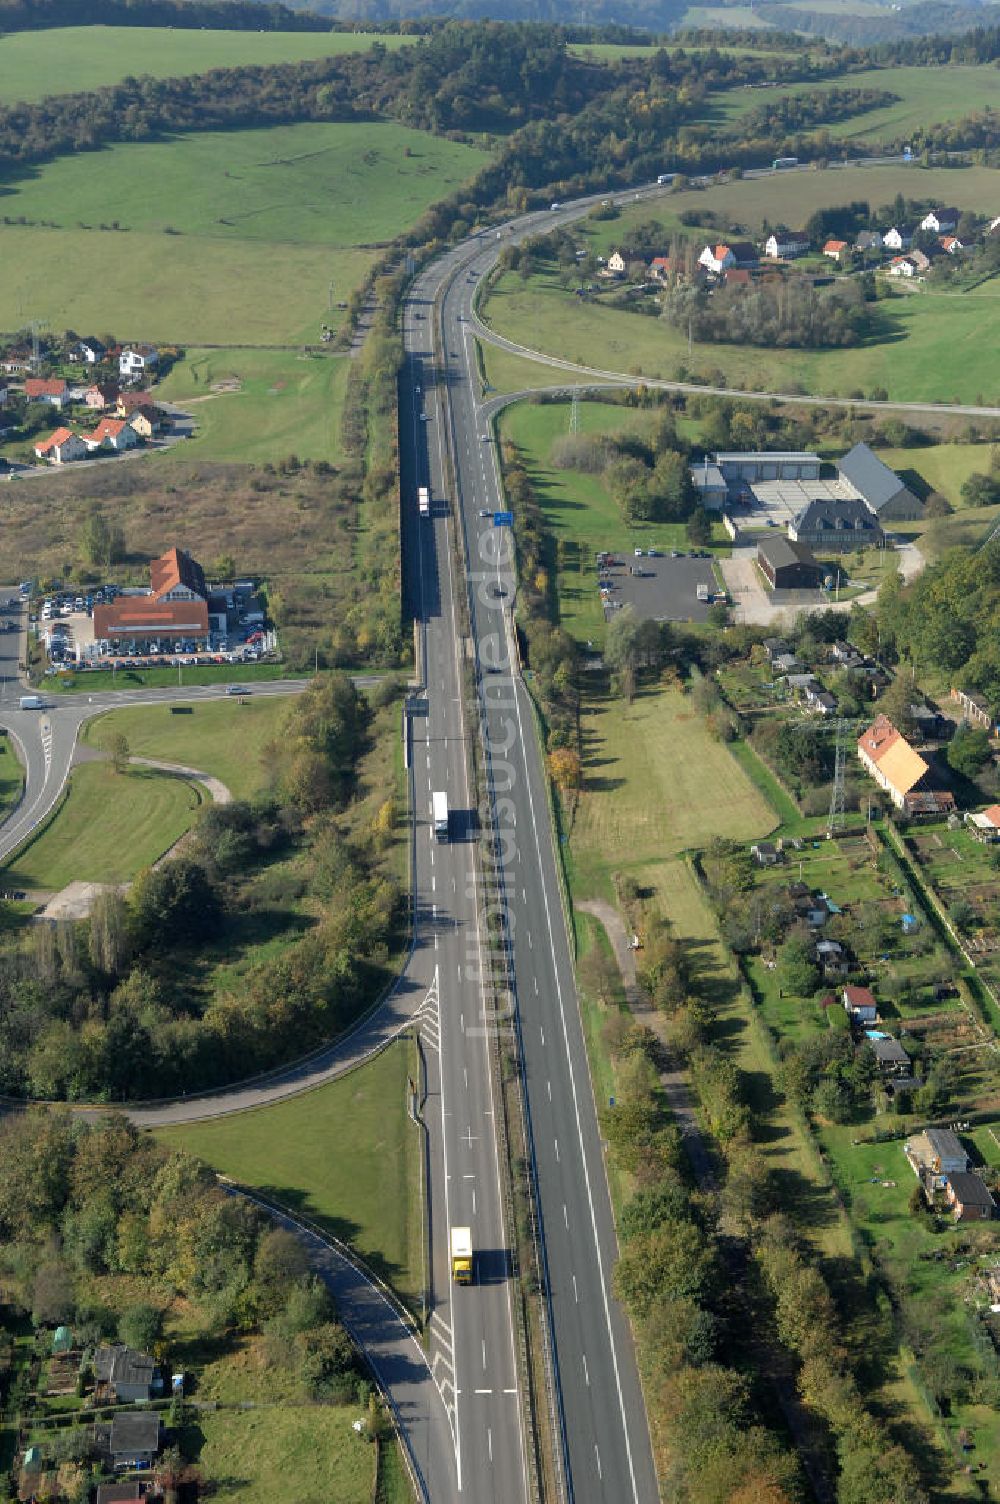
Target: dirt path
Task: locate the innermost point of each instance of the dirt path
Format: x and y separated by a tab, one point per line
675	1086
218	790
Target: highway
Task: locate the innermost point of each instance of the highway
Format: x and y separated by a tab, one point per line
606	1453
473	1339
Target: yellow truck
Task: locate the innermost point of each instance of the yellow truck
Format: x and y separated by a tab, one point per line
461	1255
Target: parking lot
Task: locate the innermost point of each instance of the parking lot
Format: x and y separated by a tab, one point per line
661	588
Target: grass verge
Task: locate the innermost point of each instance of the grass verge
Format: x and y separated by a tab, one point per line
221	737
110	826
346	1155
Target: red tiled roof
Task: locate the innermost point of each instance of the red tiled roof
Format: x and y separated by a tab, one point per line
37	386
176	567
143	614
54	440
860	997
993	814
108	428
835	245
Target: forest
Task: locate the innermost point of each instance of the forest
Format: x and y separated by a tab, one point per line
115	1008
948	619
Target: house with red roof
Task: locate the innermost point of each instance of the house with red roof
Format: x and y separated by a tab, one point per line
176	576
860	1004
719	258
175	609
52	390
112	433
61	447
837	250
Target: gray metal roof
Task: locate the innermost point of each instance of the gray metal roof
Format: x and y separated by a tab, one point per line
736	455
780	552
870	477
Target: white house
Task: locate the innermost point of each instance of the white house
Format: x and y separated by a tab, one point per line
615	265
787	243
897	239
902	266
940	221
61	447
88	352
112	433
136	360
719	258
860	1004
950	243
715	258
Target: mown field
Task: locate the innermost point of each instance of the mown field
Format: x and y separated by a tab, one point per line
110	826
220	737
655	783
69	59
927	96
173	289
281	403
345	1155
240	237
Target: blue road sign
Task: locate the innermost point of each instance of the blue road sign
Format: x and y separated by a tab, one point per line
503	519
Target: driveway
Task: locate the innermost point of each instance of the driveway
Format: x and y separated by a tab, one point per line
752	603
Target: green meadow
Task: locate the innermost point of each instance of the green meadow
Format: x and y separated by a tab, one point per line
222	237
282	403
71	59
934	347
926	96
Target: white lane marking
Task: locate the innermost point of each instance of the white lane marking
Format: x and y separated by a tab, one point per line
604	1283
586	1370
597	1454
556	1142
489	1441
542	1033
530	942
482	1391
510	1391
536	986
549	1085
484	1352
576	1293
566	1216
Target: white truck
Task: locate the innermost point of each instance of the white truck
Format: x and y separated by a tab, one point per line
32	702
424	501
439	802
461	1255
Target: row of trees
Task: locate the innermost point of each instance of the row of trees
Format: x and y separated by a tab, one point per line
776	1288
551	651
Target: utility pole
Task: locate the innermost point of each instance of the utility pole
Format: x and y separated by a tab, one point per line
574	413
836	818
